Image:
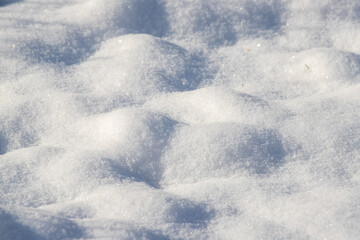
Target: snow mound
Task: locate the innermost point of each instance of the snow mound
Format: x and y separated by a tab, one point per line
136	66
168	119
206	151
215	104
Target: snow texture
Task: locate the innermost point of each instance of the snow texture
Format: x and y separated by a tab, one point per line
179	119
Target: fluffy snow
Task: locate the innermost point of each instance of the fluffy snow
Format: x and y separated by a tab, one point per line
179	119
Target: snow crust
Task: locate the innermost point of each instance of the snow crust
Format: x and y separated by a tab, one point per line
169	119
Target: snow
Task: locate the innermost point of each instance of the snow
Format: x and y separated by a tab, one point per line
169	119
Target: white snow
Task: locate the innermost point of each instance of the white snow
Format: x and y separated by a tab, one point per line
179	119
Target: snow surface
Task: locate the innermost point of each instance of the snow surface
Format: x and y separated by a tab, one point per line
179	119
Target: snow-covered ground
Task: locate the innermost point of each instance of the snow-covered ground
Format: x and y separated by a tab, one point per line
179	119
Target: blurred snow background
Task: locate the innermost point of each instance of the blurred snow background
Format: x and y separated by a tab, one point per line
169	119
